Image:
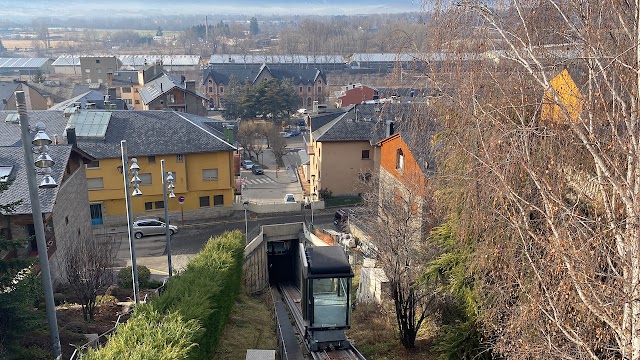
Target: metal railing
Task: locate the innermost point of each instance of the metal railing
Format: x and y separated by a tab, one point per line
77	352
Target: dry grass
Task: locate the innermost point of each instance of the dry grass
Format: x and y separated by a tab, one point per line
251	326
30	43
373	332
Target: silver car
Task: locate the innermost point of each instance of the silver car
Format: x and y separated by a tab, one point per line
151	227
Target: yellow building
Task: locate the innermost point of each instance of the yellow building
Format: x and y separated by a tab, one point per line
197	154
563	102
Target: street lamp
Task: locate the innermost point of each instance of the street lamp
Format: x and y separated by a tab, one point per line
313	183
44	161
245	204
135	181
167	184
313	198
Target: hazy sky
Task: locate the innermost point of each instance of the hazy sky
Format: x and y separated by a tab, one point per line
20	9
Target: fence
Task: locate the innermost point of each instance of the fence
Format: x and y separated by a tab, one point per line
97	341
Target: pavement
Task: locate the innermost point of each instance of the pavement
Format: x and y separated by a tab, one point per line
271	187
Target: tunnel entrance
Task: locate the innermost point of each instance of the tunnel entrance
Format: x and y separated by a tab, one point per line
282	256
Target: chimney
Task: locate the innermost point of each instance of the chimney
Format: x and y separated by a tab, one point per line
182	79
161	87
109	79
191	85
71	136
389	128
112	93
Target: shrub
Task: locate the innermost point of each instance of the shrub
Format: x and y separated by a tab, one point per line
105	299
149	335
126	282
325	193
192	310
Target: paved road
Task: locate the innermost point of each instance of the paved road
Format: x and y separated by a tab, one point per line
150	251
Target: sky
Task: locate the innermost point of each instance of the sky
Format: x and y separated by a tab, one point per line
20	9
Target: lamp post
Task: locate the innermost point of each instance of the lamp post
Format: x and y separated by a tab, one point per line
313	183
313	198
167	184
45	162
245	204
135	181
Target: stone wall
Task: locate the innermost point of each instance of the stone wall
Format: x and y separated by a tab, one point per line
71	219
174	216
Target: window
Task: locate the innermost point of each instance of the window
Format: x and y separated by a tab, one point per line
99	71
366	177
147	206
210	82
145	179
399	160
210	89
94	164
87	70
97	61
126	89
151	159
319	89
221	90
365	154
308	88
204	201
159	204
210	174
95	183
300	88
137	102
128	101
218	200
180	158
172	99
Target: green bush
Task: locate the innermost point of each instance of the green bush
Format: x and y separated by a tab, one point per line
192	310
125	281
105	299
149	335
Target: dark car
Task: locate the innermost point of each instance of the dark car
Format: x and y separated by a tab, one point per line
293	133
257	169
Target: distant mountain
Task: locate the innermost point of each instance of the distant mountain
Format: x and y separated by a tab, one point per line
118	8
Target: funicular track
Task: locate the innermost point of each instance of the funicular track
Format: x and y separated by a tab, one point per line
291	296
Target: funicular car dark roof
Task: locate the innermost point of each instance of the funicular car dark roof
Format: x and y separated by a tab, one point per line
328	260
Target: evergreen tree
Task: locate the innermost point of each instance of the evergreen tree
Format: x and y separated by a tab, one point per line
19	292
254	29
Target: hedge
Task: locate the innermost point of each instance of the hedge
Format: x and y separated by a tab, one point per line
191	313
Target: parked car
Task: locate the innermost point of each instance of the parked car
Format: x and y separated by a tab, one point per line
293	133
247	164
289	198
148	227
257	169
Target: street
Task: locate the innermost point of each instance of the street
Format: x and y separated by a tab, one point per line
150	251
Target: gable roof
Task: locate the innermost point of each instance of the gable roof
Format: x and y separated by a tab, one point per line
297	74
149	132
346	127
125	78
162	84
7	88
19	188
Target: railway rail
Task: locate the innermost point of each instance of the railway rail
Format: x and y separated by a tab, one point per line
291	296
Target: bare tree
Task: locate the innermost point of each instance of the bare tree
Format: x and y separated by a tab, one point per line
395	215
247	132
279	148
559	267
88	264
